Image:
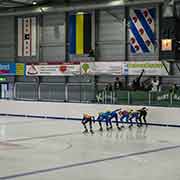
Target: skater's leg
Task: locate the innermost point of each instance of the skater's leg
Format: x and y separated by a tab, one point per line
136	119
100	126
99	119
110	122
84	124
107	123
130	120
90	126
144	118
117	123
121	120
140	119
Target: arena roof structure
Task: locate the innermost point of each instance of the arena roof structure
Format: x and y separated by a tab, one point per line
23	7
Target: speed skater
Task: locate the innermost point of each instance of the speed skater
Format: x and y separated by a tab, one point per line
88	118
124	116
107	117
133	115
142	115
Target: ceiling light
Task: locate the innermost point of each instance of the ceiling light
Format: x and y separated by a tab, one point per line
34	3
80	13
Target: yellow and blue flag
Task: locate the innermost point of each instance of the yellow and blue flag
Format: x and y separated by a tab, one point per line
80	35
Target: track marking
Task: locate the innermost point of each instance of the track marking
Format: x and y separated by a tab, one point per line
81	164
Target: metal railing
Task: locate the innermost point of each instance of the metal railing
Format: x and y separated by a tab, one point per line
59	92
163	98
91	93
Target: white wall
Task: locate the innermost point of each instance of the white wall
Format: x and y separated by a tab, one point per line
160	115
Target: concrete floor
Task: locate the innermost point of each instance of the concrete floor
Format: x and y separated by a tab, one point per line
34	149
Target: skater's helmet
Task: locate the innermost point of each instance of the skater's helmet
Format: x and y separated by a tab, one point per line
132	111
100	113
108	110
145	108
87	115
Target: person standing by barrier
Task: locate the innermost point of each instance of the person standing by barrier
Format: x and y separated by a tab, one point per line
155	85
136	82
117	87
174	89
91	54
117	84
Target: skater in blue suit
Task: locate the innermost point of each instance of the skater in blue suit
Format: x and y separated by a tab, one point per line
134	115
107	117
114	115
103	117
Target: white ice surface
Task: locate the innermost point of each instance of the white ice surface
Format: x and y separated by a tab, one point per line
29	145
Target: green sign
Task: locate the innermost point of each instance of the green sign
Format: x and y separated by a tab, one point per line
3	79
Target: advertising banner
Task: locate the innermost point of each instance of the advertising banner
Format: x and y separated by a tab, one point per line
53	70
151	68
101	68
7	69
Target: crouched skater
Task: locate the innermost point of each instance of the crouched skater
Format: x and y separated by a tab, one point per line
114	115
107	118
124	117
142	115
103	117
134	115
87	118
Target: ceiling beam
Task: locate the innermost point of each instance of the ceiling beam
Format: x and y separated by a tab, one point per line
87	5
18	2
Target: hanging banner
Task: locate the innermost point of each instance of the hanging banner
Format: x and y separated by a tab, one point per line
152	68
20	69
100	68
142	34
53	70
80	33
27	36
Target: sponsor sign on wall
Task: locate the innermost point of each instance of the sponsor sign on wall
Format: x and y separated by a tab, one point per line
53	70
100	68
152	68
7	69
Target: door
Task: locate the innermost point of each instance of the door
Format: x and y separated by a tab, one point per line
6	91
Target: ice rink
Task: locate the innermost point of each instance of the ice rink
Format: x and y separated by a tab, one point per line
34	149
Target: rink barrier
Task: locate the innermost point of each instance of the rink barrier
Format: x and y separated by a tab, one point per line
159	116
79	119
